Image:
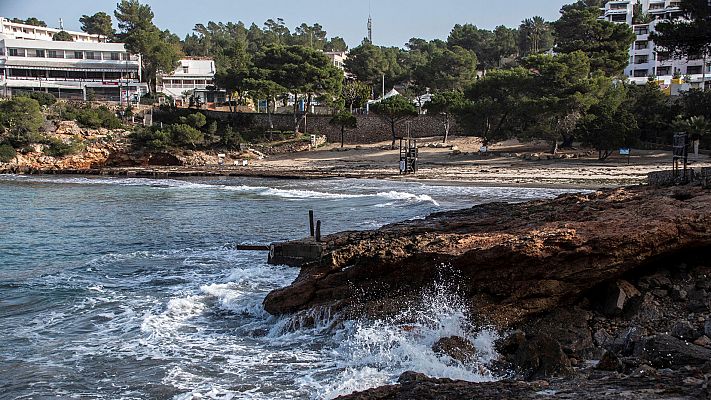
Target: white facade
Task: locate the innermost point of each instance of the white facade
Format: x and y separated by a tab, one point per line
338	58
68	69
645	60
192	74
13	30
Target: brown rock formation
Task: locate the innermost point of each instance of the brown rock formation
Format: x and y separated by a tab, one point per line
511	261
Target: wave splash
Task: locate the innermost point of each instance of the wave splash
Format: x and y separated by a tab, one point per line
376	353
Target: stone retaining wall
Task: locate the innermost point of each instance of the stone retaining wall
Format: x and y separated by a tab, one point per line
671	177
371	128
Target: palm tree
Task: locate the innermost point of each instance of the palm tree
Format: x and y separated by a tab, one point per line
695	127
535	33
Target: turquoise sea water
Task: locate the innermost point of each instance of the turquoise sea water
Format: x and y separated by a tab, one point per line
131	289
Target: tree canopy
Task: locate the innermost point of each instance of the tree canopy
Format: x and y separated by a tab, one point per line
158	49
62	36
30	21
394	110
689	36
97	24
606	44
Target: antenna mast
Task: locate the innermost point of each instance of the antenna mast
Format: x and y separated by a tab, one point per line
370	25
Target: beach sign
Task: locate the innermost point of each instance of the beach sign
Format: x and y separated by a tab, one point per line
625	151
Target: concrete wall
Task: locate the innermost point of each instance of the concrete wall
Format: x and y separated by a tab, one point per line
371	128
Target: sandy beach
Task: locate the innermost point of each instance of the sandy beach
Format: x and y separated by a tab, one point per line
504	166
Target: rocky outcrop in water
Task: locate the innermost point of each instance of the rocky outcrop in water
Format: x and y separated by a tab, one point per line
511	261
609	293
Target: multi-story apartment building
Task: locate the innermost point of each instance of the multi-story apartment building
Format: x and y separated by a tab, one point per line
192	77
87	66
645	59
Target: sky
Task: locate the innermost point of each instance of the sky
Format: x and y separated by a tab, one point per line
394	21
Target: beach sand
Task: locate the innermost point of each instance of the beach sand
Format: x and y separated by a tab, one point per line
501	167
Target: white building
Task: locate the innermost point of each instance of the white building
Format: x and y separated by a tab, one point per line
30	60
14	30
193	76
338	58
645	60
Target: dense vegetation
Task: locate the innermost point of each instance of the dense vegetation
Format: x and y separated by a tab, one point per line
499	83
22	119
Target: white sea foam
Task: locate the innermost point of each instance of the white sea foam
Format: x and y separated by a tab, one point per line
411	197
375	353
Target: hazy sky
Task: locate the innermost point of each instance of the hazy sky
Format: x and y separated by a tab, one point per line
394	21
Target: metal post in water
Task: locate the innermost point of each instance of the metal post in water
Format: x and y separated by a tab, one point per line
318	230
311	222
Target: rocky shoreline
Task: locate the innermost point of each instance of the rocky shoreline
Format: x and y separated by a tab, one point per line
604	295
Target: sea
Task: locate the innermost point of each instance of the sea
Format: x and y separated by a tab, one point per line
128	288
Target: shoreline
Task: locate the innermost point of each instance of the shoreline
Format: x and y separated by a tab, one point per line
508	165
210	172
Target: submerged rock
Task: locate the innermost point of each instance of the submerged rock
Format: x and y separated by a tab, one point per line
457	348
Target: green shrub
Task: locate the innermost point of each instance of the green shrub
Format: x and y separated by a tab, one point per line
151	138
231	139
22	118
57	148
44	99
89	117
7	153
186	135
196	120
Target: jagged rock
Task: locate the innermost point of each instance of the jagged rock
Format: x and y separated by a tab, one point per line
618	296
511	261
511	343
570	328
626	341
698	300
703	341
684	330
664	351
609	362
68	128
411	376
457	348
602	338
678	294
542	357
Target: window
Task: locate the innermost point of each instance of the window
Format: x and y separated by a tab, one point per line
641	30
90	55
39	53
695	70
14	53
641	60
664	71
185	70
640	73
115	56
78	55
641	45
54	54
